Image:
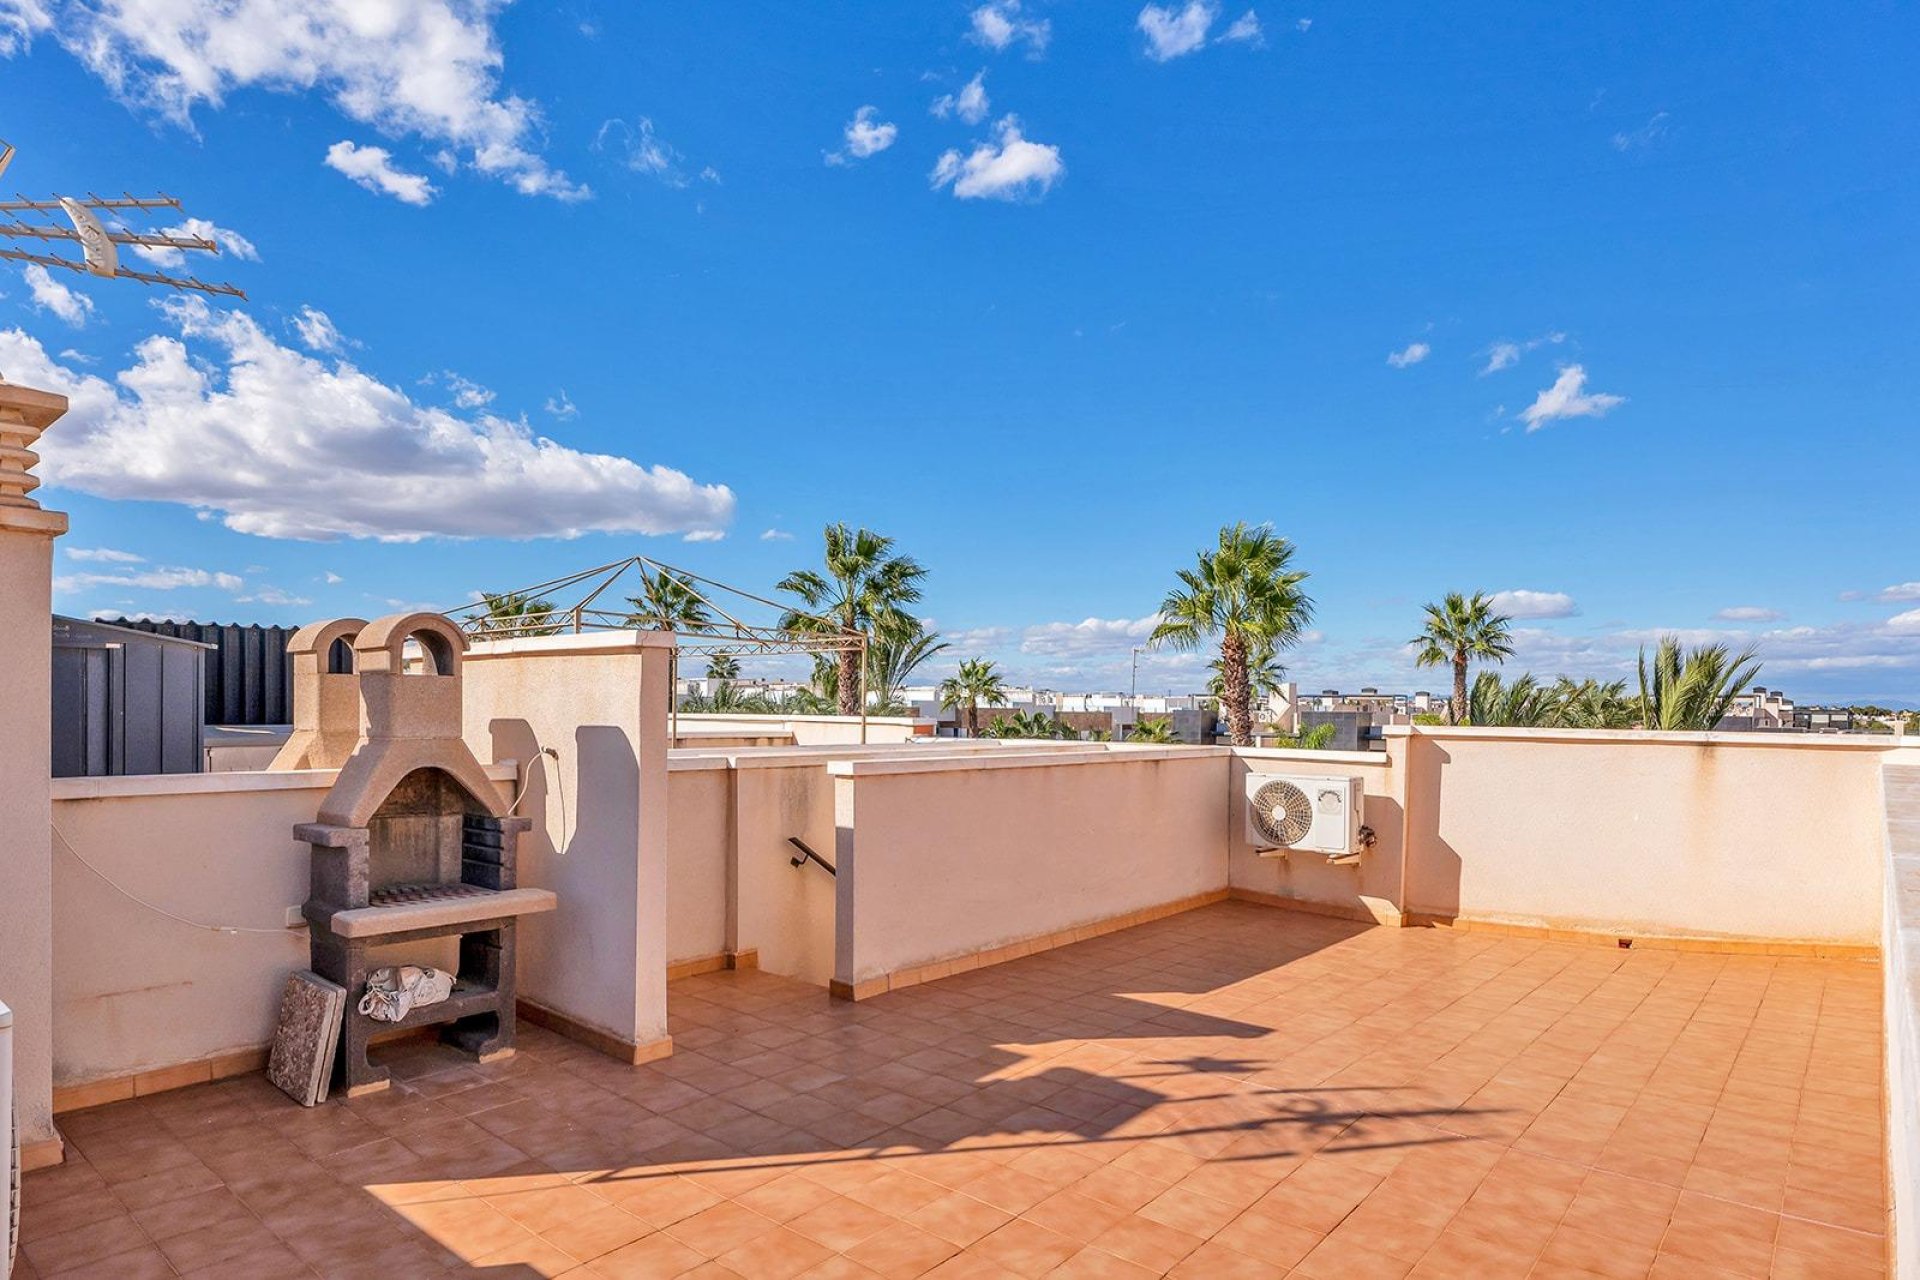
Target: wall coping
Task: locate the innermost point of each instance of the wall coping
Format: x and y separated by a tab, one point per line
758	717
1105	754
565	646
199	784
1302	755
1665	737
813	757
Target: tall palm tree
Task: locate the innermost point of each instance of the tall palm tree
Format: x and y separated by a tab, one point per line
1692	688
976	682
896	653
723	667
1245	592
1458	630
515	613
1265	674
865	588
668	602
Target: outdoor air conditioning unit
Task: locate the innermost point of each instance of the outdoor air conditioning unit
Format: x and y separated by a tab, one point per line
9	1150
1286	812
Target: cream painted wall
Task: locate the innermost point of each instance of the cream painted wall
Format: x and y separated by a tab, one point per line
1747	836
1371	886
1900	960
599	807
135	990
784	912
26	750
946	857
809	731
699	848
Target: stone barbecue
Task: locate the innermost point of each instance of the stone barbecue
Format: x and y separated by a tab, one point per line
412	843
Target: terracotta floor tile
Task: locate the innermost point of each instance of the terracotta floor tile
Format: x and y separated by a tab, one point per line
1294	1093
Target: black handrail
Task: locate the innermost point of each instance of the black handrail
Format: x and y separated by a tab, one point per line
808	855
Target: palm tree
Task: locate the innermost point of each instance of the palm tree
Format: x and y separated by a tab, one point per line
1157	729
1460	629
1523	704
1592	705
723	667
1692	689
1026	724
1312	738
515	613
1265	674
976	682
668	602
865	588
1244	592
896	653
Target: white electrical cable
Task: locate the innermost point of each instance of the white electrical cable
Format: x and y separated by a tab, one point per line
158	910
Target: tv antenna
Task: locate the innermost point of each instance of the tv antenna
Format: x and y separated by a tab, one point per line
99	243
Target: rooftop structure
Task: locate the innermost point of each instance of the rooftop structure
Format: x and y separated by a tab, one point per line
824	997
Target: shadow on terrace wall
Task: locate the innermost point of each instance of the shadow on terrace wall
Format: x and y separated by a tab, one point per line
1433	866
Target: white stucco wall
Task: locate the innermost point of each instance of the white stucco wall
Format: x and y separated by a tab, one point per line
808	731
1900	960
950	856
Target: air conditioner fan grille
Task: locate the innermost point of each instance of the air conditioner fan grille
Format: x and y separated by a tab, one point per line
1282	813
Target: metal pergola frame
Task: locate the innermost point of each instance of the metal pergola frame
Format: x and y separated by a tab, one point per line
727	635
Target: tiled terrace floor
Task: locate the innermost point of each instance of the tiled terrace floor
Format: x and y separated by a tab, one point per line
1236	1092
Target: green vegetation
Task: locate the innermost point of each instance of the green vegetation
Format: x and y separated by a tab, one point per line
516	613
978	681
668	602
1245	592
1458	630
1028	724
894	655
864	587
1154	729
1692	688
1317	738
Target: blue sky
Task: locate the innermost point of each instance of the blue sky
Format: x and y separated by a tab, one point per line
1609	308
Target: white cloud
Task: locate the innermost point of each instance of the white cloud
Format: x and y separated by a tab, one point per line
331	578
220	417
645	151
50	295
274	596
1520	603
156	579
1748	613
1899	593
776	535
561	407
467	393
1506	354
971	104
1000	24
1568	398
1645	136
317	330
703	535
1245	30
428	69
229	240
865	135
1008	168
1175	33
106	555
1411	354
1908	621
373	168
1087	636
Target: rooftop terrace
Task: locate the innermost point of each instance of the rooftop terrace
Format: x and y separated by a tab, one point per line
1233	1091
